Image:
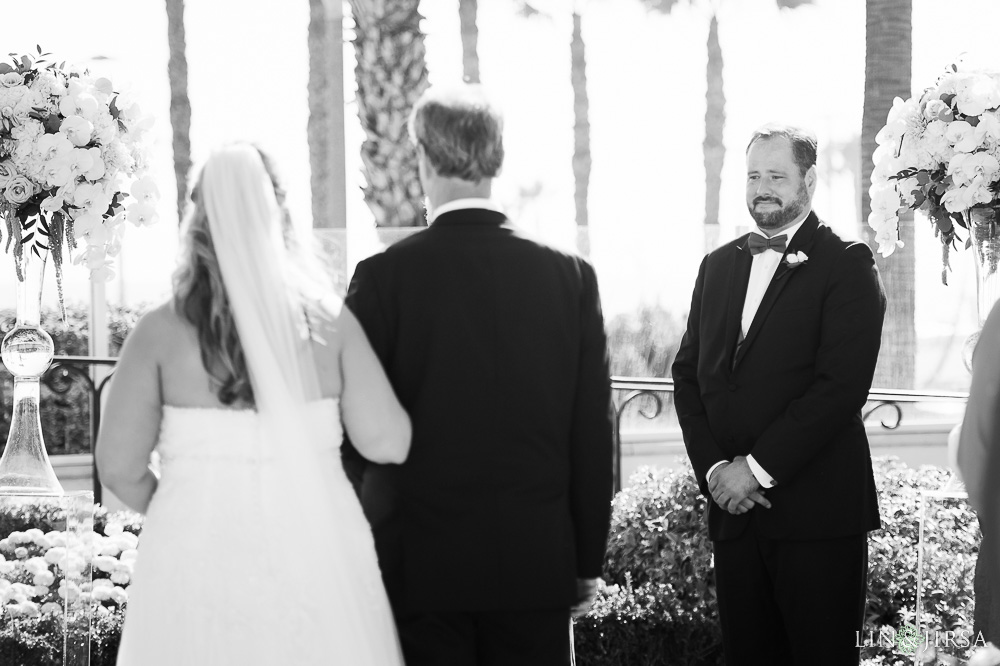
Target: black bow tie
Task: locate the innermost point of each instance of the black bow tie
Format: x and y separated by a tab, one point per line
759	243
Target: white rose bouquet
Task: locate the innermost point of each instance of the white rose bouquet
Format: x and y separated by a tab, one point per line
939	153
71	154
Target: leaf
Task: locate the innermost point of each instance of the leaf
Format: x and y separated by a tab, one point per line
5	68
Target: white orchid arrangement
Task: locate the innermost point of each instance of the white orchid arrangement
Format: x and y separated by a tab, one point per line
71	152
940	154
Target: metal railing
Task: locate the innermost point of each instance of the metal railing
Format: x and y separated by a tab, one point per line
887	403
63	373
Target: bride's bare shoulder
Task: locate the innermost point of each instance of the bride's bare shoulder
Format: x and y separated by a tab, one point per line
161	329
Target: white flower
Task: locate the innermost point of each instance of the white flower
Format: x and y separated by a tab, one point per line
141	215
11	79
51	146
962	136
988	129
119	595
145	190
81	161
120	577
100	592
57	172
977	93
51	607
77	129
797	258
55	555
964	167
92	198
97	167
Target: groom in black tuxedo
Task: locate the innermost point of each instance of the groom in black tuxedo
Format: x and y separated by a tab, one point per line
493	532
770	378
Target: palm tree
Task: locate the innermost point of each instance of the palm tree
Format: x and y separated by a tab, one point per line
467	10
180	103
713	147
391	74
325	131
581	134
888	57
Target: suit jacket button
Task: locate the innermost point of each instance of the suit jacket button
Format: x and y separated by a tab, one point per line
732	387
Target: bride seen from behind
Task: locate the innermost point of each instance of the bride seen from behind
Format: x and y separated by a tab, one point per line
255	549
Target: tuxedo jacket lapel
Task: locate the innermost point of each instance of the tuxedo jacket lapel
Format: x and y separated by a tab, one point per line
801	242
738	281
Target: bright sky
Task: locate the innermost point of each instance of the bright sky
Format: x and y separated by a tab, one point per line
248	65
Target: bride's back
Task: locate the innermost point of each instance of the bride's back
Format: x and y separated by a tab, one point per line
186	382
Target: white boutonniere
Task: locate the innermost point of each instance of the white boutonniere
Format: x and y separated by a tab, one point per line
795	260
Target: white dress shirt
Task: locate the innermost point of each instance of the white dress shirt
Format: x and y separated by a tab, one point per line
461	204
762	269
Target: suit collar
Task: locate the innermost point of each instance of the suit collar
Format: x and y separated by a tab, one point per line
473	217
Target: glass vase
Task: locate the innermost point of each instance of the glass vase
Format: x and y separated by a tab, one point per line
983	233
27	352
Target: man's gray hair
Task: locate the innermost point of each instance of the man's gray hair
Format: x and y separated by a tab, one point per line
803	142
461	131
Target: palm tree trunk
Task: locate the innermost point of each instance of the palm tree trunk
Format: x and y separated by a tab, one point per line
467	10
714	146
887	75
581	134
325	132
391	75
180	103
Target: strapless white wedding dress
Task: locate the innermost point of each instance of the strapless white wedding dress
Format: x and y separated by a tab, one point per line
216	584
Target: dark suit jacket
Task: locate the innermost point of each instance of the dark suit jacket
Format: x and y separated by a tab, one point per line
792	395
495	346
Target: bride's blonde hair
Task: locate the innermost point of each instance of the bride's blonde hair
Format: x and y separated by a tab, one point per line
199	293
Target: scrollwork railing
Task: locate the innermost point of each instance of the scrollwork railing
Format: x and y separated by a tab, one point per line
67	371
886	403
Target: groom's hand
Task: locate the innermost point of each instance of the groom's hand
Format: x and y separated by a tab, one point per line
586	592
735	489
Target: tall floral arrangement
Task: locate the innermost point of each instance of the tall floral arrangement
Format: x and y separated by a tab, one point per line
938	153
73	165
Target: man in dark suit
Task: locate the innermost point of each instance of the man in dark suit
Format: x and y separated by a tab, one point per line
493	531
770	378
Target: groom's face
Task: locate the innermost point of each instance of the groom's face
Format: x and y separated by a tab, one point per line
777	191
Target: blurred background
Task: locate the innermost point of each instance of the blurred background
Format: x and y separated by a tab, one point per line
626	125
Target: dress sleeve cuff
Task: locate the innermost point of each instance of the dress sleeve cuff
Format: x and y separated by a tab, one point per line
763	478
708	477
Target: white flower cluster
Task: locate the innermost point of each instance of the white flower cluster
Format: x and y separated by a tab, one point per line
939	154
40	574
71	151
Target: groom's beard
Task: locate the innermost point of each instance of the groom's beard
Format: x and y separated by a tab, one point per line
776	219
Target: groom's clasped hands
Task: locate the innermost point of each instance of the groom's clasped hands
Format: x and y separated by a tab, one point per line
734	487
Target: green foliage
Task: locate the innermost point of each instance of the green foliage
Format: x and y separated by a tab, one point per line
643	343
952	545
65	416
660	608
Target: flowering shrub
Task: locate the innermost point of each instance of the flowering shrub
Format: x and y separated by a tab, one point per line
36	579
938	153
68	145
660	607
